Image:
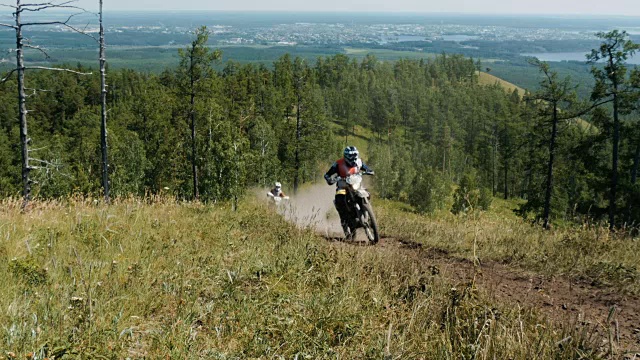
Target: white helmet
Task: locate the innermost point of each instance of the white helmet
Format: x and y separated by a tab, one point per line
278	185
351	155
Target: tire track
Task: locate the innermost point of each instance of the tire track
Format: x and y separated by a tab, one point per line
560	299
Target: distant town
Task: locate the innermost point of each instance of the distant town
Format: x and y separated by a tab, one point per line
141	39
313	34
341	33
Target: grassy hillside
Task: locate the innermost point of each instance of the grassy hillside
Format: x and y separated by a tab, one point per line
488	79
591	254
357	136
187	281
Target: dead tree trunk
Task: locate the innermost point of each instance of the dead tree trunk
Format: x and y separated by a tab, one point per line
20	8
22	109
103	123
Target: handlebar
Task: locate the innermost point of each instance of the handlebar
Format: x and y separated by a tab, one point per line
364	173
269	194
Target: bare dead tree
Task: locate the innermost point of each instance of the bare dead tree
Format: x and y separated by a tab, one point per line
21	44
103	102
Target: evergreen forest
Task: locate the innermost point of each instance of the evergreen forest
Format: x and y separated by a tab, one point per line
432	131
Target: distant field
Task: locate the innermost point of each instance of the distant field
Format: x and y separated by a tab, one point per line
386	54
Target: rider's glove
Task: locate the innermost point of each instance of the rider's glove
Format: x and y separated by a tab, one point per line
331	180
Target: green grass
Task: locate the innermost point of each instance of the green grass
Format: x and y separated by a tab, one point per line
589	253
159	279
357	136
488	79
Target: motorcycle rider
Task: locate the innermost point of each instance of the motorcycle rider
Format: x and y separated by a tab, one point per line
277	191
349	164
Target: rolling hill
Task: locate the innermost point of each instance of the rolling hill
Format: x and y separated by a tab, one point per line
488	79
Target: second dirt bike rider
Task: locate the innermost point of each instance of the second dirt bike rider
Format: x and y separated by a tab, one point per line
349	164
277	191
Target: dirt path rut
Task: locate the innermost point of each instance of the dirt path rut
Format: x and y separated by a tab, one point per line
560	299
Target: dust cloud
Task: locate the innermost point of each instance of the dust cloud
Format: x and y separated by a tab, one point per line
313	208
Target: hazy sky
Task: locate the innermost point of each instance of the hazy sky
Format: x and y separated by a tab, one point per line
584	7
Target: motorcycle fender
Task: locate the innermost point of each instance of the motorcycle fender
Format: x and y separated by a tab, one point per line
363	194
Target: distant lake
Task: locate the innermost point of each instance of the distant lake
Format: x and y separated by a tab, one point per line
571	56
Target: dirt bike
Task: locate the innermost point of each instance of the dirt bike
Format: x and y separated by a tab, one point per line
359	207
277	200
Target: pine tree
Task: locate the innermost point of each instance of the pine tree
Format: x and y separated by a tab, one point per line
194	75
614	84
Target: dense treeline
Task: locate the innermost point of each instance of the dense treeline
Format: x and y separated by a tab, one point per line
431	124
245	133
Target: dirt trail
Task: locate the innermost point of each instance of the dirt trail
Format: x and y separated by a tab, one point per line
560	299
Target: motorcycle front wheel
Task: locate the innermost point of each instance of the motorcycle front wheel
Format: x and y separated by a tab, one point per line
370	224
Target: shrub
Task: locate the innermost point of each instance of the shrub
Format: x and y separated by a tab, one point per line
486	197
28	270
431	191
469	197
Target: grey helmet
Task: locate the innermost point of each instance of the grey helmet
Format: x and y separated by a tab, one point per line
351	155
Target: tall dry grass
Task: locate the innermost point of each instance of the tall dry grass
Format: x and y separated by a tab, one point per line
156	279
590	253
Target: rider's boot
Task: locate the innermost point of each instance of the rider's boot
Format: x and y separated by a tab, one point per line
341	207
348	234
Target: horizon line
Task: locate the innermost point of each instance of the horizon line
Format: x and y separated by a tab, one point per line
382	12
372	12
